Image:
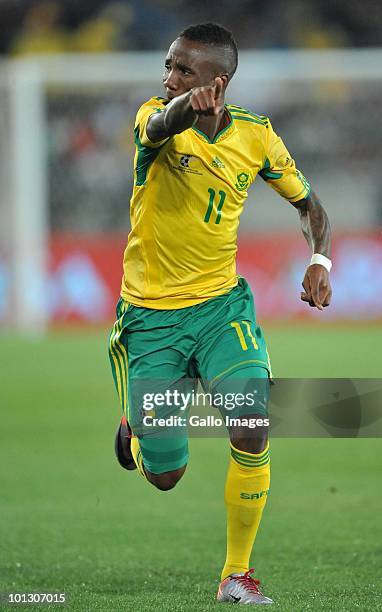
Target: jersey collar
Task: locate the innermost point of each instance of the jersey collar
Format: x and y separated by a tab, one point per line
224	133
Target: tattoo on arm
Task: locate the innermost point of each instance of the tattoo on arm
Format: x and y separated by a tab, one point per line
177	117
315	224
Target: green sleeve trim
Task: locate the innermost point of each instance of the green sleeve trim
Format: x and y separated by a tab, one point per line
302	195
146	156
266	173
303	180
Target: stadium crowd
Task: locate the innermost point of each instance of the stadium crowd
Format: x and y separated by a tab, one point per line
44	26
89	132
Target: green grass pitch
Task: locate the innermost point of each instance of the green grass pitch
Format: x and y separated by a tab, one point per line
73	521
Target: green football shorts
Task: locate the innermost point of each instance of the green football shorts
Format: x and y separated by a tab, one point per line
155	352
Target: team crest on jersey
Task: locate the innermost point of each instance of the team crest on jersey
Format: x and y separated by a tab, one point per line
242	180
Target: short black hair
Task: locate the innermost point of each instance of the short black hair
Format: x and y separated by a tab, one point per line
214	34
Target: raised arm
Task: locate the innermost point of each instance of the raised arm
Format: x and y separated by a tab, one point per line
184	110
316	229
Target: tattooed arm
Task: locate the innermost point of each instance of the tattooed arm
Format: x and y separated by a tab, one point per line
316	229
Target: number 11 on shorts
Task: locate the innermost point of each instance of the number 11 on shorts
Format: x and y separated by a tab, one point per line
237	326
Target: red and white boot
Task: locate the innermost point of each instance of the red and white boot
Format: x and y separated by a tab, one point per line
242	589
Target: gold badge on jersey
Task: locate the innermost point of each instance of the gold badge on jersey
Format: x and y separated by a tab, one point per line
242	180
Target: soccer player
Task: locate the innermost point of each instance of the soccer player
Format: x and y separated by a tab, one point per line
184	313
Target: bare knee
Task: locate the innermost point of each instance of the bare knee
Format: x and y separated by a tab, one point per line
249	440
250	445
167	480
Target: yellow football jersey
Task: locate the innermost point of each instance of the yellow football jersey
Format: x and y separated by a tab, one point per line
188	196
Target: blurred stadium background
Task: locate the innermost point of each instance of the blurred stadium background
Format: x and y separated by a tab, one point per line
71	78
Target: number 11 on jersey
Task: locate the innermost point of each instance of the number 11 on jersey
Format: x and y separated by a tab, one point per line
210	208
243	343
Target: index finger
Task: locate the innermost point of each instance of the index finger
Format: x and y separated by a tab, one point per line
218	87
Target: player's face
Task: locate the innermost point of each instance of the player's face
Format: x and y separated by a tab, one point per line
189	64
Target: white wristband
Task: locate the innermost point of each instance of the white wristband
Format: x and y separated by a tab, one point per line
317	258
